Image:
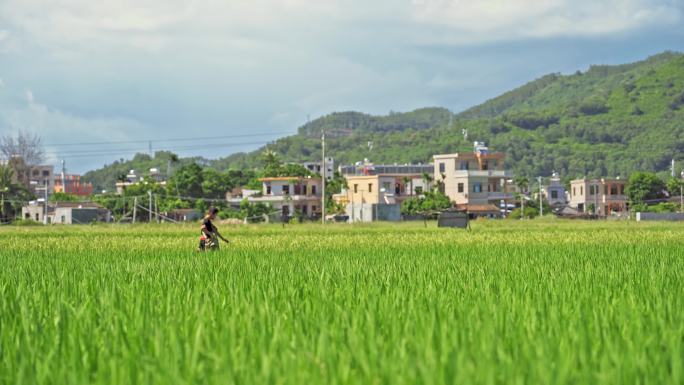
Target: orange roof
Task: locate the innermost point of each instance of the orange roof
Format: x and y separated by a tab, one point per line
488	208
286	178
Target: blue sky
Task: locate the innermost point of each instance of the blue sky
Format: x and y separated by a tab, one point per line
85	71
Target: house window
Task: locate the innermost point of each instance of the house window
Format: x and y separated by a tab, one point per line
581	190
574	193
298	189
356	188
63	219
442	169
370	187
591	190
477	188
464	165
37	217
397	189
268	189
613	190
46	173
304	210
485	165
460	187
554	194
494	164
313	209
286	189
313	190
386	186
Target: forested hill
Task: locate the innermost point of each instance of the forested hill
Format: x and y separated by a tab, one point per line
606	121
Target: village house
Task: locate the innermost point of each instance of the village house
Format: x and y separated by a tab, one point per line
476	182
36	178
554	192
289	196
132	179
375	192
598	196
316	168
66	213
72	185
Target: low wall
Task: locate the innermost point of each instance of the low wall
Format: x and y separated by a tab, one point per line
659	217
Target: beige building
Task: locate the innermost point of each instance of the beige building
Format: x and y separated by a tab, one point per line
382	189
598	196
475	181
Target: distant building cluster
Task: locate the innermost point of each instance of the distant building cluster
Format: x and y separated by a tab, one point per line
476	182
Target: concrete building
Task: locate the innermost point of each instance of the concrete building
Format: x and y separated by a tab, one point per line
66	213
35	178
133	178
290	196
316	168
72	184
598	196
474	181
554	192
379	196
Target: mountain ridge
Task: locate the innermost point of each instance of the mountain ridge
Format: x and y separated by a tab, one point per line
606	121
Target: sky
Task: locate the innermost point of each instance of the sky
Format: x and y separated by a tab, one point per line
211	77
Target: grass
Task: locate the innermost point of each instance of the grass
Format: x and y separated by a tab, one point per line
507	302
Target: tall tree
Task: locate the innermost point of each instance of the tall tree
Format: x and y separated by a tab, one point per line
187	181
644	188
28	147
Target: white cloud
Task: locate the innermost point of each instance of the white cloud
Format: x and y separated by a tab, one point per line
472	22
29	97
55	126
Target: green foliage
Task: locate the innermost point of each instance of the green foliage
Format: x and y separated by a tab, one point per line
64	197
249	210
645	188
274	167
12	195
530	212
428	202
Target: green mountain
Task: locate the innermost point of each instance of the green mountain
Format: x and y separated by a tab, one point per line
607	121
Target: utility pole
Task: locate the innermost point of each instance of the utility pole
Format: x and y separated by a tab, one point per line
45	218
541	206
135	207
149	207
681	192
323	169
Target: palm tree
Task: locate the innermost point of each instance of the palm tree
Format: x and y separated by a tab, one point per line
522	182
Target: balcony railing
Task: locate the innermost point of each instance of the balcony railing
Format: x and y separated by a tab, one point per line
484	173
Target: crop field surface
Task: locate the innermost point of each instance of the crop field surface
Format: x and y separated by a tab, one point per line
507	302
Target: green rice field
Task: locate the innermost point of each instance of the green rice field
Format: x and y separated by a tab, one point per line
507	302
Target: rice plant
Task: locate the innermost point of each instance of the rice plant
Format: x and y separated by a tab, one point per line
545	302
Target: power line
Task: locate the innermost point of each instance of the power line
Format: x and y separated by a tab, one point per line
168	140
101	152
